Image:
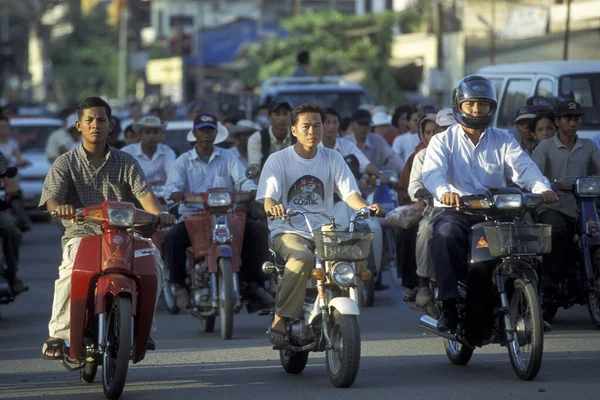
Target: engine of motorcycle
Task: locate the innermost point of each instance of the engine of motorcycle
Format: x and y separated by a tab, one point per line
300	333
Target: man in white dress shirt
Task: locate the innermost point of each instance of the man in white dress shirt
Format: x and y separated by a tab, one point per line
155	158
468	159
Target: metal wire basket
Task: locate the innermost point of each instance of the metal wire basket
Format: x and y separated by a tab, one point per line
518	239
343	246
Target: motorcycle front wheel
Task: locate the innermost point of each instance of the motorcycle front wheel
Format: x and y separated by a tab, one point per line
594	295
343	359
226	300
118	347
457	353
526	349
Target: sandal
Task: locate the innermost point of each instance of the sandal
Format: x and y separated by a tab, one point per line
410	295
50	347
281	342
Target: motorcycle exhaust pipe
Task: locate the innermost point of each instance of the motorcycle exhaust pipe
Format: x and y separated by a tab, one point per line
430	325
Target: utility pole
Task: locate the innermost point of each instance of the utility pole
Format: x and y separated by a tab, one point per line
122	76
567	32
440	53
493	34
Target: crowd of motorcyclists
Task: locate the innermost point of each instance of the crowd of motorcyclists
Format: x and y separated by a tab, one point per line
302	161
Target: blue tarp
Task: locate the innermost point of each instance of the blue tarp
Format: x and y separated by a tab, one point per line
222	44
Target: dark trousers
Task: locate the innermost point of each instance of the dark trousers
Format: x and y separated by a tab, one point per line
563	230
11	243
449	248
406	262
255	251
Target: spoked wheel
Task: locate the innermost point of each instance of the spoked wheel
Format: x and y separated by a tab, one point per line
88	372
293	363
226	302
457	353
594	295
118	347
343	359
526	349
367	288
170	299
208	324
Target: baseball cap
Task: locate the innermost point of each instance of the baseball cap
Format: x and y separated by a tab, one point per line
445	117
275	104
525	112
381	118
204	120
70	121
361	117
565	108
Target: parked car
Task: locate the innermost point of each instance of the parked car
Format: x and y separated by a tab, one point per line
176	136
326	91
578	80
32	135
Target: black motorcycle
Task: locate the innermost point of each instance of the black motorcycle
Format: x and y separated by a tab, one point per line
580	282
498	298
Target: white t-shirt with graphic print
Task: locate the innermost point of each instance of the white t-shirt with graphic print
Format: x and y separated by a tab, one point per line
305	185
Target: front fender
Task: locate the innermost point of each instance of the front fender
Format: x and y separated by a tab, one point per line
344	305
115	284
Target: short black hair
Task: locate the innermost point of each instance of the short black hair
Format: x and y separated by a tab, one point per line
116	125
398	111
533	123
345	123
232	119
307	108
332	111
303	57
93	102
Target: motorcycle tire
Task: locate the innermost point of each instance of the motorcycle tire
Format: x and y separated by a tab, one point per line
208	324
529	330
170	300
343	360
457	353
226	298
293	363
367	288
88	372
116	357
594	295
549	312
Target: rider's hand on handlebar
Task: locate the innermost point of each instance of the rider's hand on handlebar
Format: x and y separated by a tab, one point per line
63	211
177	197
377	210
549	197
451	199
165	219
276	211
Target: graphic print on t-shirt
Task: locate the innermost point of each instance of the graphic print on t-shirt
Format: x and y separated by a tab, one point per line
307	191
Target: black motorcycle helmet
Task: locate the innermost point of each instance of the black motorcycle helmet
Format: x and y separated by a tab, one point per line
353	163
474	87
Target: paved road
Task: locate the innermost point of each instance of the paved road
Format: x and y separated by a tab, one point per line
398	360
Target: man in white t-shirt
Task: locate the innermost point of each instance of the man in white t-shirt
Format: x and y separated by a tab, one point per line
302	177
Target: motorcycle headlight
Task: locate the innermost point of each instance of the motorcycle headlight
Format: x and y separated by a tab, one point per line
120	216
587	187
219	199
508	201
342	273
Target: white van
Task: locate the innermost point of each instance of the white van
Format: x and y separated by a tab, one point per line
516	82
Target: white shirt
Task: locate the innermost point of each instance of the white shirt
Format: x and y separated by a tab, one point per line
454	164
189	174
58	138
235	151
156	168
416	174
8	149
255	155
404	145
305	185
346	148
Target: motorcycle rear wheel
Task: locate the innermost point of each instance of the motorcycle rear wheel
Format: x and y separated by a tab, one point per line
343	360
526	317
118	340
88	372
457	353
293	363
208	324
226	300
549	312
367	288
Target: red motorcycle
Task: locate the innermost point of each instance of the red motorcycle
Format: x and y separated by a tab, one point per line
113	293
216	235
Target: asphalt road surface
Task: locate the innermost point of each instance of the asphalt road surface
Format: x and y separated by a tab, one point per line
398	360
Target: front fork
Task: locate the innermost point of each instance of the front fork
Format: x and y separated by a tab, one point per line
508	328
215	290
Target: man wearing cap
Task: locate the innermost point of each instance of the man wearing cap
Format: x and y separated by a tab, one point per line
241	132
61	140
523	117
274	138
155	158
564	155
202	168
379	153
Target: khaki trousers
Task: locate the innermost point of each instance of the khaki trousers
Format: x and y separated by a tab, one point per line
300	261
423	255
60	322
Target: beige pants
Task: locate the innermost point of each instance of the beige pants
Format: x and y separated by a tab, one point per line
60	323
423	256
300	261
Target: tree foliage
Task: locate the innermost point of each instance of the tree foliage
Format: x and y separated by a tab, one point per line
339	44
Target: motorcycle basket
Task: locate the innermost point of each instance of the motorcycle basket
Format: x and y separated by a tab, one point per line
518	239
343	246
